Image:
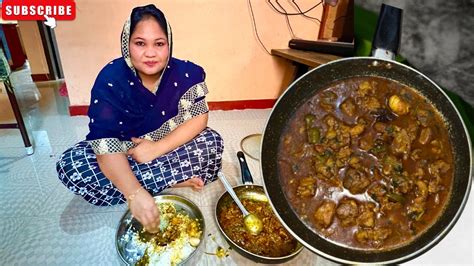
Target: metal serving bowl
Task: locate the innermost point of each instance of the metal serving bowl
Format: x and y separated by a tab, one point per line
255	193
128	224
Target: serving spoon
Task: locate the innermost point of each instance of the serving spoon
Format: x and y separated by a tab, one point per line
252	223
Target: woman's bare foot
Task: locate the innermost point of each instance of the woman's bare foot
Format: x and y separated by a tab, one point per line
195	183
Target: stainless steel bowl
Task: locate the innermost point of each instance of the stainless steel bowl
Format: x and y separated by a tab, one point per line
127	225
254	193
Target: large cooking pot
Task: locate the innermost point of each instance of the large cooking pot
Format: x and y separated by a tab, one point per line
255	193
322	77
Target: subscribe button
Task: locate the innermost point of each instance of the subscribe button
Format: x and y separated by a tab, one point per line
38	9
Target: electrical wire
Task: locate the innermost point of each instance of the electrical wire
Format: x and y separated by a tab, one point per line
287	21
304	15
284	12
255	27
342	17
334	22
294	14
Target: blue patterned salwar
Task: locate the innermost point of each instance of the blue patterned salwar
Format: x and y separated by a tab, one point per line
79	171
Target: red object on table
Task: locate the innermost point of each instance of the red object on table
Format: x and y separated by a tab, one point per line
14	44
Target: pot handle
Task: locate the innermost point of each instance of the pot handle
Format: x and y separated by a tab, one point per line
244	169
386	40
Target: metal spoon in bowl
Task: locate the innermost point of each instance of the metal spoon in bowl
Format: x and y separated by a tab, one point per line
252	223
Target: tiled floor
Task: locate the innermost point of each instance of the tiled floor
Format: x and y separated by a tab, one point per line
42	223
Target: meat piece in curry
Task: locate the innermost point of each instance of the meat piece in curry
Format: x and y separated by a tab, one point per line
367	163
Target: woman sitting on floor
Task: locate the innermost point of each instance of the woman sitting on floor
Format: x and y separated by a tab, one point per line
148	125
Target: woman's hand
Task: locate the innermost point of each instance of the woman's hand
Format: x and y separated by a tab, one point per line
145	210
145	151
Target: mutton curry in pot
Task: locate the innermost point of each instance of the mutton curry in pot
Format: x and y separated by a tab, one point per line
367	163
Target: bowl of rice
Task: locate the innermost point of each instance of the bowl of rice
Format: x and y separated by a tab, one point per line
180	236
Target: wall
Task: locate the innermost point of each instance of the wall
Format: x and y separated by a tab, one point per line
31	41
216	34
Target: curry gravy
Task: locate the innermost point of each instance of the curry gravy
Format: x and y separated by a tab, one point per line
367	163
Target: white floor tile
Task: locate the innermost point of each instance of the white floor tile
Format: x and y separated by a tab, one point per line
87	239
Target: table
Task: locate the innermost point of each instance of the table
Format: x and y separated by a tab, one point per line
304	60
20	124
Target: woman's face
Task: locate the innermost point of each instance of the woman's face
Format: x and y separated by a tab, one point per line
149	48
